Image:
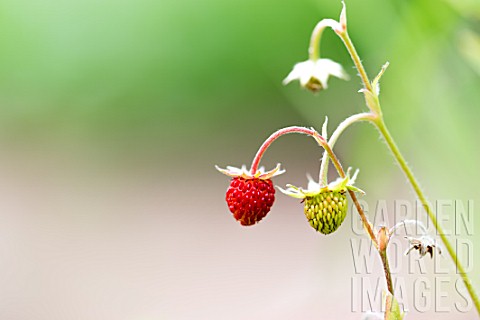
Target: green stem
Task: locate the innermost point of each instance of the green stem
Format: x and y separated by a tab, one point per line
366	224
421	196
314	47
380	124
356	59
274	136
336	134
386	269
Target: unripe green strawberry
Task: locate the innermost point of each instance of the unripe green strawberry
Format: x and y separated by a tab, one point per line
326	210
325	206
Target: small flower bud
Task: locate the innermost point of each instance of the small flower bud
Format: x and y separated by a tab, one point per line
382	239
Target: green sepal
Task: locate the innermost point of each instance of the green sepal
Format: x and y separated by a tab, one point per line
314	188
376	81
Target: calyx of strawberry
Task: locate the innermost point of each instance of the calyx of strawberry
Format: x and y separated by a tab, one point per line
246	174
314	188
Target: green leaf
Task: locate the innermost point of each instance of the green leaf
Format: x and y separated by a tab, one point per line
392	309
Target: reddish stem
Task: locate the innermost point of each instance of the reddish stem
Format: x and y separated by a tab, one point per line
274	136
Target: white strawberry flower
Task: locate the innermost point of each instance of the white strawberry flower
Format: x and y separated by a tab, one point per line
314	74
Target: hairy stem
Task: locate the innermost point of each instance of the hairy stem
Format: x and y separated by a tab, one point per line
274	136
336	134
380	124
314	47
356	59
323	143
366	224
386	269
421	196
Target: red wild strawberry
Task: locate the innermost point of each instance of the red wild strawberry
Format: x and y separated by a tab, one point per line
250	197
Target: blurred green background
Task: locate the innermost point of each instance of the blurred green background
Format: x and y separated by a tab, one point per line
114	113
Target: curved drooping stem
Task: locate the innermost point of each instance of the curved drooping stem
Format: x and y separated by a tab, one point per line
404	223
274	136
366	116
295	129
314	48
323	143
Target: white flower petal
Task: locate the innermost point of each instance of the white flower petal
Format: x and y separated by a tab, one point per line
300	71
333	68
308	72
295	73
